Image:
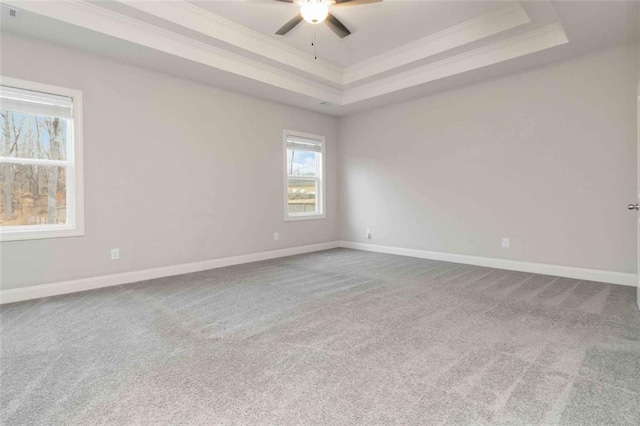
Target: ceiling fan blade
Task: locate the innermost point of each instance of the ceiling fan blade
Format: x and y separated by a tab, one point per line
337	26
352	2
290	25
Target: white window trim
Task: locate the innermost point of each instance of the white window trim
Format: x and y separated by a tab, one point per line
321	202
75	187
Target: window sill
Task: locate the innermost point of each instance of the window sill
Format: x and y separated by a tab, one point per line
35	233
304	217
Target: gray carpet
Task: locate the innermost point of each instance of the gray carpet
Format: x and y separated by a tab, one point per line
336	337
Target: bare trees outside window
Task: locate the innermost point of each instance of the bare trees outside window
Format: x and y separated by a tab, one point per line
32	194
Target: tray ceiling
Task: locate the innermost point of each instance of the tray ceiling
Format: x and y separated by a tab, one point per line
398	49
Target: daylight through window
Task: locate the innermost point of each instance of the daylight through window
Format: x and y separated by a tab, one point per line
304	170
39	170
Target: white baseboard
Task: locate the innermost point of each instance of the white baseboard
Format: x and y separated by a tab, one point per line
54	289
511	265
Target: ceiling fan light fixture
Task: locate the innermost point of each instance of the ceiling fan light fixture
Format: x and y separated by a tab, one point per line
314	11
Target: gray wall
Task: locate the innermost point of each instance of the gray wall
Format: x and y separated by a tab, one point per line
546	158
175	171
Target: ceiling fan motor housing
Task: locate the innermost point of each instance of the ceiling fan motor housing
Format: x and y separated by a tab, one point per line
317	11
314	11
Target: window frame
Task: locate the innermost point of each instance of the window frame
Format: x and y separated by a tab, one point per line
320	194
74	175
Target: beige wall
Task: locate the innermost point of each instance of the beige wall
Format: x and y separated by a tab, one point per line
175	171
546	158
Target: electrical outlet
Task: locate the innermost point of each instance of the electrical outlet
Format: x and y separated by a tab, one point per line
276	236
368	231
505	243
115	254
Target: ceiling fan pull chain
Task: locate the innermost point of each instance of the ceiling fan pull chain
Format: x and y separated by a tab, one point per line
315	45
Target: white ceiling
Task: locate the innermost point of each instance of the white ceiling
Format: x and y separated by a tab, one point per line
376	27
398	49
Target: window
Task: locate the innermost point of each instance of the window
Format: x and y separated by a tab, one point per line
304	170
40	161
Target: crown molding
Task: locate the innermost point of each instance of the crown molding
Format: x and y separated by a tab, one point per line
95	18
209	24
503	19
91	16
533	41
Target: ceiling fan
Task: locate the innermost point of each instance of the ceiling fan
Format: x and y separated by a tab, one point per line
317	11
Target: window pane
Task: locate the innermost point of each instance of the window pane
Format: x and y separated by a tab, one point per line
302	163
32	195
33	136
301	195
